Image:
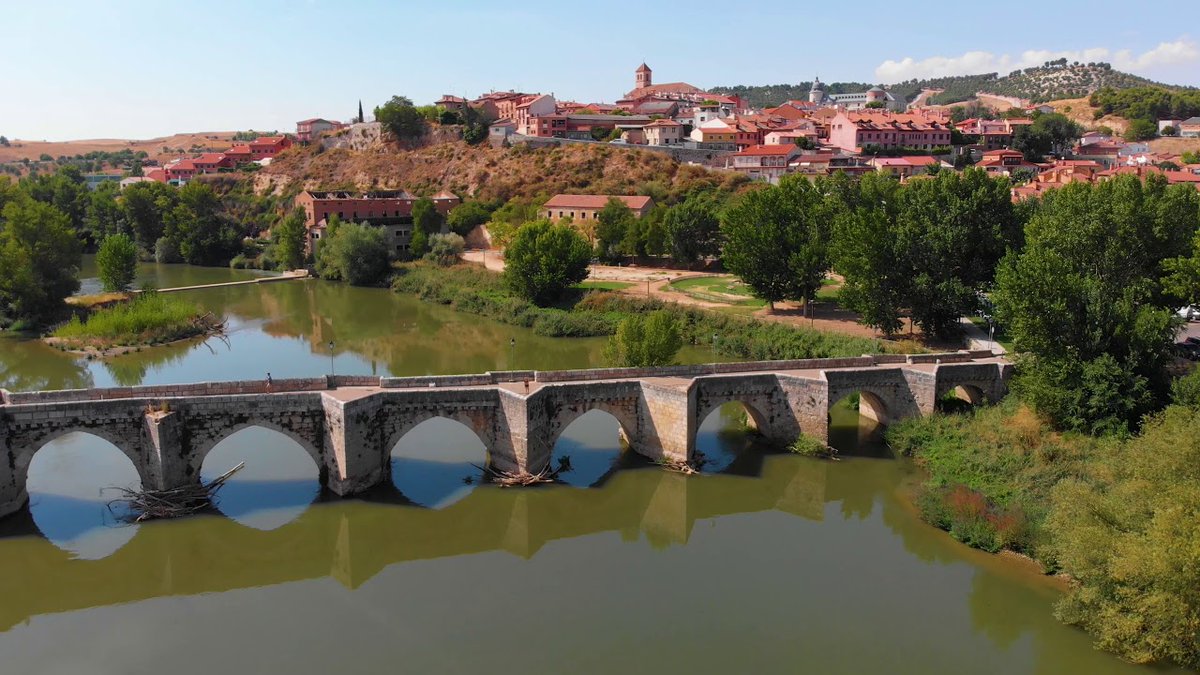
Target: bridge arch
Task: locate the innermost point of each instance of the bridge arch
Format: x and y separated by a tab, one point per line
279	481
25	450
201	450
437	462
595	442
479	424
623	413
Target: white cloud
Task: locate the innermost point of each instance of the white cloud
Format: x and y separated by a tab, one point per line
1180	52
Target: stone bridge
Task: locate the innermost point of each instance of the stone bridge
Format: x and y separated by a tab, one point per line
349	425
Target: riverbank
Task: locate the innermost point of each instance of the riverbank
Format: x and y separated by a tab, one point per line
1116	516
469	288
148	319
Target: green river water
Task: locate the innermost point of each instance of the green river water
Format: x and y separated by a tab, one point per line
767	563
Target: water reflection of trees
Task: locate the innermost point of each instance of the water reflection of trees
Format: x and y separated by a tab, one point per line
30	365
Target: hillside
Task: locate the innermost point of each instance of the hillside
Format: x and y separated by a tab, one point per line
770	95
214	141
1055	80
1037	84
493	173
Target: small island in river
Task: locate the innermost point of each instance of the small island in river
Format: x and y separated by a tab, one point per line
146	319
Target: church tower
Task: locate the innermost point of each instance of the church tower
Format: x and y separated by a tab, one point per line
817	93
642	76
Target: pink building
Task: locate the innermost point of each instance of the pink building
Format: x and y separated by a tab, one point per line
763	162
527	111
587	207
390	209
268	146
851	131
307	130
663	132
181	171
212	162
905	166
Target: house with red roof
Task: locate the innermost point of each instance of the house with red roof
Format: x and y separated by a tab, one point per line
389	209
903	167
212	162
533	107
181	171
587	207
763	162
1004	162
307	130
852	131
664	131
268	146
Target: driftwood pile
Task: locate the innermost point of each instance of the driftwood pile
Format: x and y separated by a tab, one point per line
509	479
141	505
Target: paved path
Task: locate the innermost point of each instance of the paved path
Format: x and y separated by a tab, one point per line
977	338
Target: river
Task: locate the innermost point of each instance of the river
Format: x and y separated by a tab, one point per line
767	563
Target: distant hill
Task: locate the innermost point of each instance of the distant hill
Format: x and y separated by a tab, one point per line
1050	81
770	95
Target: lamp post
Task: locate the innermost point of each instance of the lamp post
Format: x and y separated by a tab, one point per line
331	370
512	353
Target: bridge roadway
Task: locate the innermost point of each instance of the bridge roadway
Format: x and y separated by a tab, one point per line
349	424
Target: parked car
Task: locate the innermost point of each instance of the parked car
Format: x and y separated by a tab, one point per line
1191	313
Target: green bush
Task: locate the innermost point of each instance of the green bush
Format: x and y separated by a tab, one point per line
148	318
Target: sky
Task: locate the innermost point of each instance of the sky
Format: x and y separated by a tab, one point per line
131	69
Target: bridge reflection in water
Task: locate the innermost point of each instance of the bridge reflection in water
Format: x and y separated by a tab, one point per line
352	541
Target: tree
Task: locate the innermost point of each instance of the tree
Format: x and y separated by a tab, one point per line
692	228
1169	130
144	205
1141	130
510	216
426	217
287	239
445	249
354	253
1085	300
645	341
545	259
1127	536
195	228
401	119
4	141
466	217
104	217
360	111
117	261
776	240
612	222
39	256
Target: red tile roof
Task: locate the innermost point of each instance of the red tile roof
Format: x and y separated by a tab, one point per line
764	150
594	201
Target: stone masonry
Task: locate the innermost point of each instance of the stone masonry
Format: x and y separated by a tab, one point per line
349	425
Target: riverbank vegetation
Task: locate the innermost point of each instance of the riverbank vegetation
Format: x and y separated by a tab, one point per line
1090	465
474	290
150	318
1119	516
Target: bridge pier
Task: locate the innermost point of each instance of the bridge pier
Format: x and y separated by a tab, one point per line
667	428
166	467
12	495
356	459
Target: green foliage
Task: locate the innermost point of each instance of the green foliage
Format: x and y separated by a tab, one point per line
544	260
1182	280
401	119
445	249
426	217
467	216
474	290
644	340
144	205
287	241
195	227
103	216
1190	157
1049	133
930	245
766	96
1127	534
39	259
776	240
809	446
418	245
148	318
612	224
1141	130
1084	298
1185	391
511	215
692	229
1147	103
354	253
117	261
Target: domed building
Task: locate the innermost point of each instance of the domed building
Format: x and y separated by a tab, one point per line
880	97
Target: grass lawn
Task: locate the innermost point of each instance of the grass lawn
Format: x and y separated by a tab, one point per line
604	285
829	291
723	290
